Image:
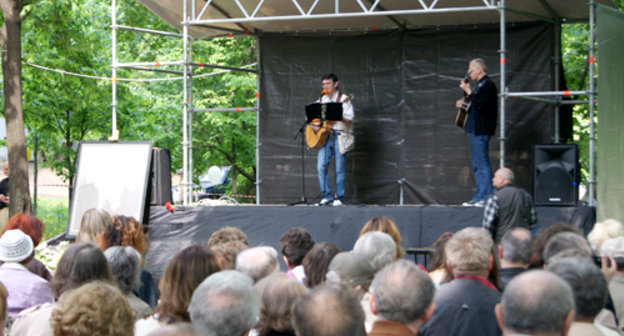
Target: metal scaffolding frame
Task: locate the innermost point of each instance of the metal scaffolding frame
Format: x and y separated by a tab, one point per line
192	18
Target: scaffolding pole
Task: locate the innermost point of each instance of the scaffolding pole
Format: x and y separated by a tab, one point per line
590	96
114	132
187	179
503	87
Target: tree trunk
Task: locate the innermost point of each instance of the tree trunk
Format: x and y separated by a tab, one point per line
16	140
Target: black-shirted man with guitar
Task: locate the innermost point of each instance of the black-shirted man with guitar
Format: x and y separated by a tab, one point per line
480	126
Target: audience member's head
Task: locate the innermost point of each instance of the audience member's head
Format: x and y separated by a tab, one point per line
536	303
378	247
588	284
438	268
295	243
564	241
607	229
438	258
93	223
328	310
28	224
176	329
95	308
539	243
257	262
386	225
277	293
224	304
469	252
227	253
81	263
352	270
183	274
124	231
403	293
227	234
124	263
316	261
570	253
613	247
502	177
515	247
16	246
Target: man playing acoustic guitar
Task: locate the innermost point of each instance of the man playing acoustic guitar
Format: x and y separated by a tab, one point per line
480	125
337	143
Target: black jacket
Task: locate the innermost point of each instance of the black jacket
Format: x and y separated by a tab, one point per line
483	108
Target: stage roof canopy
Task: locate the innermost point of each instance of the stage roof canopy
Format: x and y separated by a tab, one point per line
213	18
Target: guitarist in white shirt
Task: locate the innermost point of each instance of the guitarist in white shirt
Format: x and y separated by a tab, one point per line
337	144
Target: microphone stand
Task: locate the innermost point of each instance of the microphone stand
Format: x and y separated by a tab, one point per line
301	131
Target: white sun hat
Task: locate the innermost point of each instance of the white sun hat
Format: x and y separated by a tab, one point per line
15	246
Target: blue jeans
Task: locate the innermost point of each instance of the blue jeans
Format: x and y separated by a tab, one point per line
325	154
481	165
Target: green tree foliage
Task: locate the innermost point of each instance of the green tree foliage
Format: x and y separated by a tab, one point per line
574	48
62	109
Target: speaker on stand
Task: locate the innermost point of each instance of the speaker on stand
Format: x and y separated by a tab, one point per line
159	188
556	174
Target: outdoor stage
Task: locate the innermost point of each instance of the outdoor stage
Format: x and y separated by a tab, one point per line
420	226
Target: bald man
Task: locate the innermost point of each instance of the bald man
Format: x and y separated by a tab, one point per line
509	207
536	303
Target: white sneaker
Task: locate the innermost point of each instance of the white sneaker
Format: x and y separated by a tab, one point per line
324	201
479	204
336	202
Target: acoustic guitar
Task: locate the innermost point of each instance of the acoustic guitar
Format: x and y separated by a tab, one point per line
317	130
462	112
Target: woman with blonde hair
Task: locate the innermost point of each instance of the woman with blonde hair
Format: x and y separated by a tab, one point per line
602	231
94	309
385	225
93	223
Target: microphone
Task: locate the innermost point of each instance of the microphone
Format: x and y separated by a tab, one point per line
467	78
323	92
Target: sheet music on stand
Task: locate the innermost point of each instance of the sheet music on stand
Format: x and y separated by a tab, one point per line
324	111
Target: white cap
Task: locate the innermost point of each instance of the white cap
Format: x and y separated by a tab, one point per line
15	246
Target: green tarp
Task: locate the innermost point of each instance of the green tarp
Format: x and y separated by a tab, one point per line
610	148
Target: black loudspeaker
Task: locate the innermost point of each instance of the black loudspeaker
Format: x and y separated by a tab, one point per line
160	177
555	175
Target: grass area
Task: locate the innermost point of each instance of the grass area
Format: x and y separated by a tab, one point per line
54	213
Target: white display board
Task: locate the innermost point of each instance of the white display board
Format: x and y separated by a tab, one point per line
112	176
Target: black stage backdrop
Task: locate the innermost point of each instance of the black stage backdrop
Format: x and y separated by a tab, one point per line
405	85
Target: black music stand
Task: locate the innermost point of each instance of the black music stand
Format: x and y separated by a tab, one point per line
324	111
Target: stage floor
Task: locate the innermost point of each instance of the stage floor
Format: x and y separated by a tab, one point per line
420	226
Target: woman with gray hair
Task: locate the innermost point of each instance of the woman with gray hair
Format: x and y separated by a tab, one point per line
378	247
125	263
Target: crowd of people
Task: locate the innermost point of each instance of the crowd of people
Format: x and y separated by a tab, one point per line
557	283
